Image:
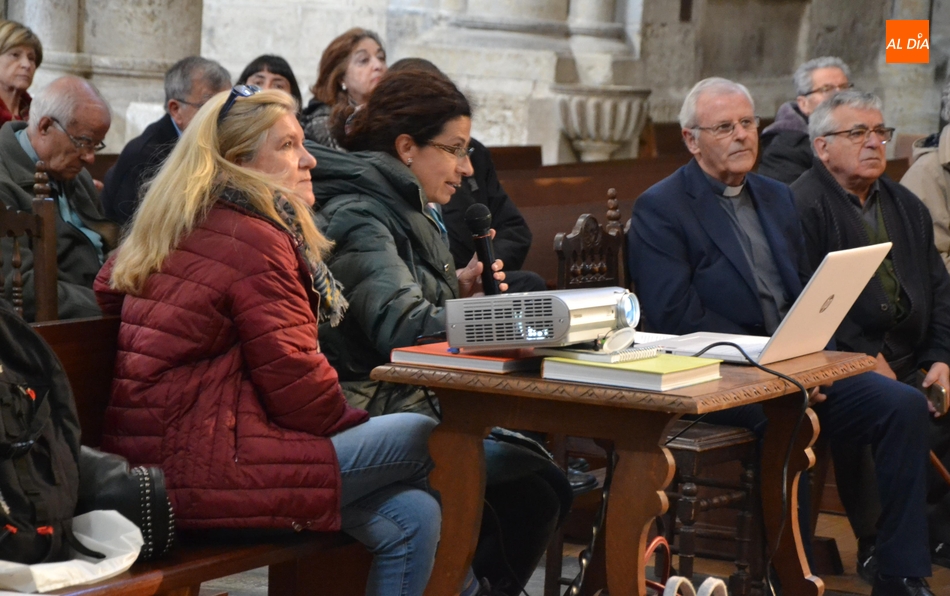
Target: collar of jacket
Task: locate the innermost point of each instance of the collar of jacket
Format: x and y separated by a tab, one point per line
788	117
363	172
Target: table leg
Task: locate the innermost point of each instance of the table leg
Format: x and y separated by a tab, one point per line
459	476
789	558
644	468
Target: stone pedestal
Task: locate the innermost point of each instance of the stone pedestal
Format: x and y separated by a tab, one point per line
600	120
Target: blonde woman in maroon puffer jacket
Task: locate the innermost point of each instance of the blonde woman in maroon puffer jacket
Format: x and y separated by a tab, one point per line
219	378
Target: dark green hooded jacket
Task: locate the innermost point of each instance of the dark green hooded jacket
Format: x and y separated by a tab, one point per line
395	268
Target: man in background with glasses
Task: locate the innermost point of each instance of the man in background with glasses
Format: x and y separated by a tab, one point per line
714	247
189	83
903	316
68	121
786	150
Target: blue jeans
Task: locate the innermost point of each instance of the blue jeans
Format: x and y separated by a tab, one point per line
385	500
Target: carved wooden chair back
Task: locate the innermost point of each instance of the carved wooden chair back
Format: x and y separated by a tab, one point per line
38	230
591	255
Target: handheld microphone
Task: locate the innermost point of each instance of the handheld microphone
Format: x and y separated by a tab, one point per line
478	220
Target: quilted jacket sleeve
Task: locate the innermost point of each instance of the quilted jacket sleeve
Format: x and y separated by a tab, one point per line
278	334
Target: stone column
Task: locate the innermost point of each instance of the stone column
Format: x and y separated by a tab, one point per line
669	53
123	47
597	40
911	92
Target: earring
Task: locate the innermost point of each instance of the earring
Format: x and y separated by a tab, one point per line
343	86
409	162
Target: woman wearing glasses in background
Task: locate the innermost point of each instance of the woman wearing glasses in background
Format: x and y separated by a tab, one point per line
409	146
220	284
350	68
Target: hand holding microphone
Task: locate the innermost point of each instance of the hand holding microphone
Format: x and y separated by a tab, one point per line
478	220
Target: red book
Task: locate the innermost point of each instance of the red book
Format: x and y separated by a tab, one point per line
442	356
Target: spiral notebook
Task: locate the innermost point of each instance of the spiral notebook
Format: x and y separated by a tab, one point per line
628	355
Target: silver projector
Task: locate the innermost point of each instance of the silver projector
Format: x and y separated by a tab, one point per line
555	318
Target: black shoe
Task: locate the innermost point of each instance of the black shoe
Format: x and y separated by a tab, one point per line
867	560
940	555
486	589
578	463
900	586
581	482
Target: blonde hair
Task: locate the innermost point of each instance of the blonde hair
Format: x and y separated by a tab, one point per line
13	34
205	162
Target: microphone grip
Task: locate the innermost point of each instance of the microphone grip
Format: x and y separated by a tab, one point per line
486	255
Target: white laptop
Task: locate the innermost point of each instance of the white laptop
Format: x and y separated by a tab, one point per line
809	324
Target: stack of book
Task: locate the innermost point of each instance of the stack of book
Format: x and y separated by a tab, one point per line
635	368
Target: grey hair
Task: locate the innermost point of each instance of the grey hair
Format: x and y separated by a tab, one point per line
822	120
802	76
945	102
61	105
716	85
179	77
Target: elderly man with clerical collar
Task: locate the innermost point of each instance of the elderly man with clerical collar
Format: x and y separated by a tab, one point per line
844	201
786	149
189	83
68	121
714	247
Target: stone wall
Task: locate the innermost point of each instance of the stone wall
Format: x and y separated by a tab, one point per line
534	68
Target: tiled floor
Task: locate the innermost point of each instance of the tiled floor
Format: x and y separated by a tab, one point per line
254	583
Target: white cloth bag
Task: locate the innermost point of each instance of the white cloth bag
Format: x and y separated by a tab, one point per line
106	532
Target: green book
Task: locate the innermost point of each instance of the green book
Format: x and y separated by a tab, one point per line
662	373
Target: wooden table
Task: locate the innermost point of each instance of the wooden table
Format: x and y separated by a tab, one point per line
635	421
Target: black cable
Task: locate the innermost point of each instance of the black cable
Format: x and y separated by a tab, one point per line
788	452
584	558
435	409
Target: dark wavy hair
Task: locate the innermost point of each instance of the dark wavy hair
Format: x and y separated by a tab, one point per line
274	65
415	102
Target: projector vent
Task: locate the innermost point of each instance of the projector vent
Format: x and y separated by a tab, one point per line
517	320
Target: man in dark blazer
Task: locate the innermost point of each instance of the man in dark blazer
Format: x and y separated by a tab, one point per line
715	248
189	83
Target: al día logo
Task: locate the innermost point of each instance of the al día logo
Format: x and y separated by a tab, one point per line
908	42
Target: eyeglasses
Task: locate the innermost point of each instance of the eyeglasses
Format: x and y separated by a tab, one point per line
829	89
236	91
861	134
721	131
82	143
459	151
196	106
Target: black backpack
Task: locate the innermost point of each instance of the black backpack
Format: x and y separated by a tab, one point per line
39	447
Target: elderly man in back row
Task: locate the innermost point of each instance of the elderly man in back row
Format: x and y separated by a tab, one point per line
903	316
716	248
786	150
68	120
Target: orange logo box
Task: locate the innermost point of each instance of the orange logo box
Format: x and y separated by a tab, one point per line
908	42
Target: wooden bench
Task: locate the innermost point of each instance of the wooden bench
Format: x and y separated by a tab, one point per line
323	563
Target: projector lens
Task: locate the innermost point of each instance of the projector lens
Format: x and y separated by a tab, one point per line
628	310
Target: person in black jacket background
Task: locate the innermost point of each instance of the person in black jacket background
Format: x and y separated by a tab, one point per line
189	83
786	149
